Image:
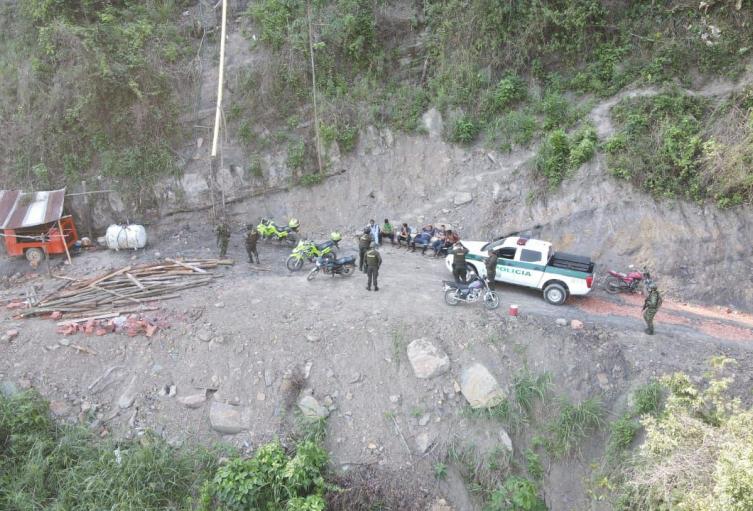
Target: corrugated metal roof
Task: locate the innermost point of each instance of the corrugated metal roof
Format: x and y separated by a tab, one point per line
19	210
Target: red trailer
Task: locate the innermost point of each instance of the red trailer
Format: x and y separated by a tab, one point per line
33	224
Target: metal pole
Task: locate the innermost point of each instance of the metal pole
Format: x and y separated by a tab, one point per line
313	88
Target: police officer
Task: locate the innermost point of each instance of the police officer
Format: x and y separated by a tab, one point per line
252	236
364	241
491	269
458	262
223	237
373	262
651	306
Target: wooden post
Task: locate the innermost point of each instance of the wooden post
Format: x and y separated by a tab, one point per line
218	112
65	243
89	215
313	89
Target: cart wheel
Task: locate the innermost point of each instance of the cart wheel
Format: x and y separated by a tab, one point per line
34	256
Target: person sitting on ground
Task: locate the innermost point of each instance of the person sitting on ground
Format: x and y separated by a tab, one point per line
404	235
450	239
422	239
388	231
438	243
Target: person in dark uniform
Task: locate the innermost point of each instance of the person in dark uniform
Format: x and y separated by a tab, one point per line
651	307
373	262
252	236
458	262
364	241
491	269
223	237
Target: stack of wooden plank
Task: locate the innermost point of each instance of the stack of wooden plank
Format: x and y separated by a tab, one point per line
127	289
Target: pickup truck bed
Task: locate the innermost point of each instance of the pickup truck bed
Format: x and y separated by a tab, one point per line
571	262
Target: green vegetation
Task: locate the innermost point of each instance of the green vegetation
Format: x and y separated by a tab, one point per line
90	88
697	453
560	154
516	494
572	425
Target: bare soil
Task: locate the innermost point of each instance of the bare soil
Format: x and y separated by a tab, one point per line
351	346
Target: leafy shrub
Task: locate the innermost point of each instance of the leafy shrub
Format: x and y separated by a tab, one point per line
516	494
647	399
533	465
622	433
464	130
583	146
553	158
573	424
558	111
310	179
296	154
509	90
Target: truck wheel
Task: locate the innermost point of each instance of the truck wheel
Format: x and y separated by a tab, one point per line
34	256
555	294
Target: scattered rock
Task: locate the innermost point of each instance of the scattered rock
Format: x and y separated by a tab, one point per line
311	409
462	198
168	391
424	420
480	388
355	377
561	322
59	408
603	379
307	369
313	338
505	440
372	446
427	360
260	396
432	121
194	400
11	334
218	339
226	419
129	395
328	401
64	342
456	386
219	305
395	398
204	335
576	324
269	378
423	442
8	389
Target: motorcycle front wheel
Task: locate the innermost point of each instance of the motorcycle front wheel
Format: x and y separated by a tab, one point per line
491	300
612	285
312	274
294	263
450	297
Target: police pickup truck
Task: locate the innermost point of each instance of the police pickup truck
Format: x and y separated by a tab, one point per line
532	263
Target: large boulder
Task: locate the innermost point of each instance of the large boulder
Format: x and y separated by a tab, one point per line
226	419
462	198
427	360
480	387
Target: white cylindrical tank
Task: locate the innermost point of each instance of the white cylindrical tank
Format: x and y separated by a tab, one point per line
120	237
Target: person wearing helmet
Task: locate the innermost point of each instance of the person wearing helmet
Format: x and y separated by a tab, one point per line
336	237
251	237
294	224
364	241
651	306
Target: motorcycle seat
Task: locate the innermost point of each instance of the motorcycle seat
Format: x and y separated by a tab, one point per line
618	274
456	285
345	260
322	246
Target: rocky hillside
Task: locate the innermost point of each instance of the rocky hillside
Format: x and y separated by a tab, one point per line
613	128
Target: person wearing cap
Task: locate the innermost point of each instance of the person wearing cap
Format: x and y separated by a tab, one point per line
459	270
651	307
251	237
364	241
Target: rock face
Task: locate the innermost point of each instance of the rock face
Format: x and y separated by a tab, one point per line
226	419
423	442
311	409
480	387
427	360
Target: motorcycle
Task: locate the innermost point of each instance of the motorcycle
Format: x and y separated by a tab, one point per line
630	281
331	266
473	291
269	230
308	251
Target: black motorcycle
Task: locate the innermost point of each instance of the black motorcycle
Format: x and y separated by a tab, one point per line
472	291
327	265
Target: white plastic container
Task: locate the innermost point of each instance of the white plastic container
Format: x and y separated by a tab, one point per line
120	237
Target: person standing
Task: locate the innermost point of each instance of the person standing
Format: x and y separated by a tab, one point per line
223	236
373	262
388	231
252	236
364	240
374	230
459	270
651	307
491	269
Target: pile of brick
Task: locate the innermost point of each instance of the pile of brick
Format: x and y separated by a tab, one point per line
131	325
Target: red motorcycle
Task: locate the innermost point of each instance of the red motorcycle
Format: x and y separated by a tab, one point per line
630	281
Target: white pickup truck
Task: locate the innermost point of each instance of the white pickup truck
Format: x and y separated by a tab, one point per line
532	263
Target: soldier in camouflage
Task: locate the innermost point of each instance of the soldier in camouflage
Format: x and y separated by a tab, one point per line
651	306
252	236
459	270
223	237
364	241
491	269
